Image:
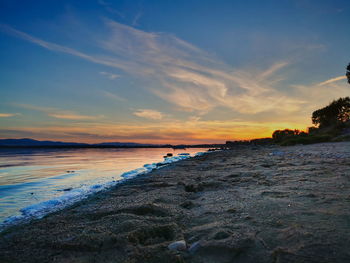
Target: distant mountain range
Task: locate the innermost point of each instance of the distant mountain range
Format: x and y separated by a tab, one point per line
30	143
34	143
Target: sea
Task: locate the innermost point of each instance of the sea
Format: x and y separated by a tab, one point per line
35	182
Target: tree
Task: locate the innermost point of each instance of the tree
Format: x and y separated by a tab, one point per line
348	73
337	112
280	135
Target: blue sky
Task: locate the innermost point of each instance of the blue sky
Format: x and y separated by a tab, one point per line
168	71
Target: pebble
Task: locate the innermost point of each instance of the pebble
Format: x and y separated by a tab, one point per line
178	245
194	247
277	153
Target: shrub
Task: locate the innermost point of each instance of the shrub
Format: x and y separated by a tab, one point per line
307	139
336	113
281	135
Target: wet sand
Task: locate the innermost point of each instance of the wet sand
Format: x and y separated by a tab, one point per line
251	204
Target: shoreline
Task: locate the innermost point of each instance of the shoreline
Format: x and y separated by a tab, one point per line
44	208
251	204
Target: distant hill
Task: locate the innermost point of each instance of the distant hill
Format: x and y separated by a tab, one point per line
34	143
17	143
31	143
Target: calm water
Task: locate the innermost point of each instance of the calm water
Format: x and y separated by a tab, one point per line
29	177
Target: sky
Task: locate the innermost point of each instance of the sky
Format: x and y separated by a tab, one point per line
162	71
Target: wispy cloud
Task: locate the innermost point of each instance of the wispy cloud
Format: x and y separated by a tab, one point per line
135	21
108	7
320	95
59	48
109	75
193	79
149	114
71	116
329	81
7	115
186	76
113	96
58	113
273	69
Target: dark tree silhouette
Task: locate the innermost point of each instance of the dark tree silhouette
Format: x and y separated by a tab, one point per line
280	135
337	112
348	73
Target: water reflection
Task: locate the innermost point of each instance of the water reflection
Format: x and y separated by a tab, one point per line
29	176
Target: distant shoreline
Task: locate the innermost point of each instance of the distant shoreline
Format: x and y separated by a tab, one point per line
108	146
31	143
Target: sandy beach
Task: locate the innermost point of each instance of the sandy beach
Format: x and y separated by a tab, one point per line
250	204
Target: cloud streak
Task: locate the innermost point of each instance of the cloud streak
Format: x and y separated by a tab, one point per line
71	116
113	96
111	76
59	48
149	114
57	113
332	80
7	115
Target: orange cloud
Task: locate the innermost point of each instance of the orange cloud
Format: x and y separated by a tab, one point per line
149	114
72	116
6	115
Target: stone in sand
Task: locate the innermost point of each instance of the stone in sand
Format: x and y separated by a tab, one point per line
178	246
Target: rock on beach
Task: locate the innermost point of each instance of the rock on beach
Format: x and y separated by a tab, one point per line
178	246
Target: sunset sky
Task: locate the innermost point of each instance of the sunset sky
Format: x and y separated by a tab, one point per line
162	71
